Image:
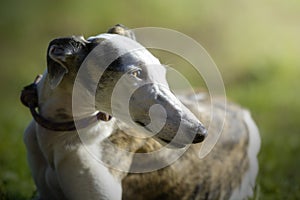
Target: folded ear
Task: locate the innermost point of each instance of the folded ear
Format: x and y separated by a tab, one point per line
121	30
57	68
64	55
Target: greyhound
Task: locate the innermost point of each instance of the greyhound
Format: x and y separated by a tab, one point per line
64	147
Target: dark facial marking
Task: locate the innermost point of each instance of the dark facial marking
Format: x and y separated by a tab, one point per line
124	63
117	69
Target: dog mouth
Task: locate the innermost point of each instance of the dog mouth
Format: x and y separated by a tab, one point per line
173	144
163	141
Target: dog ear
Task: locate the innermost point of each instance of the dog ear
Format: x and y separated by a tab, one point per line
64	55
121	30
56	59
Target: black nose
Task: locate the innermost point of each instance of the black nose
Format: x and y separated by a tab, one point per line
200	135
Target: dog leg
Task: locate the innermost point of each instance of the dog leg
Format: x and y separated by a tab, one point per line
37	163
78	174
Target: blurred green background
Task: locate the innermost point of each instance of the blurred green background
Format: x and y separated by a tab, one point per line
256	45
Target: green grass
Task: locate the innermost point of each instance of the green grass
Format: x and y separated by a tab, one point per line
254	43
277	115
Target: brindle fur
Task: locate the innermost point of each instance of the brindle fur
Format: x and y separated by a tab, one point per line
213	177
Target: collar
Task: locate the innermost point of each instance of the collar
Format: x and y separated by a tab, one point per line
29	97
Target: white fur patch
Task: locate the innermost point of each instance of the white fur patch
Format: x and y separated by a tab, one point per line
248	182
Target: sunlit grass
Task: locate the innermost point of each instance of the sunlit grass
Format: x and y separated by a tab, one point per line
255	44
275	106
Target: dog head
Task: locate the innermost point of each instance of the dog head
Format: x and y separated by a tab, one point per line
132	86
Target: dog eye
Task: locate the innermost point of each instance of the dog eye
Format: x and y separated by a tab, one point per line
136	73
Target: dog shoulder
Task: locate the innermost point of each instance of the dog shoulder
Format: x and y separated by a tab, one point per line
29	136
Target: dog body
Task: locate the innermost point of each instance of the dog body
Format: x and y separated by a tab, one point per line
78	164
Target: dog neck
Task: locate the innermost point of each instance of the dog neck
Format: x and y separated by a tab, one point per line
54	104
55	108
